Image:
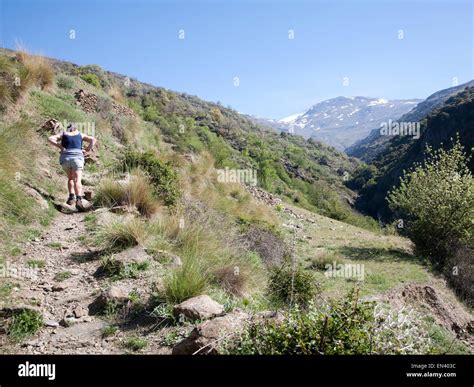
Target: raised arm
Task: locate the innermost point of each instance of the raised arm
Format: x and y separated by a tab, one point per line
55	140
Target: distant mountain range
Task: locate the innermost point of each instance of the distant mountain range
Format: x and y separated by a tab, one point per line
368	148
443	116
342	121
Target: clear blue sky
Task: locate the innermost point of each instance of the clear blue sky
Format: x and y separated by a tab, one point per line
249	40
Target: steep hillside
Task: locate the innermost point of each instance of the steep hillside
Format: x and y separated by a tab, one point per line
305	172
368	148
455	117
172	253
342	121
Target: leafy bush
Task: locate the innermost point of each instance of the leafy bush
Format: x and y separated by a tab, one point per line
342	327
151	113
291	284
92	79
436	203
162	175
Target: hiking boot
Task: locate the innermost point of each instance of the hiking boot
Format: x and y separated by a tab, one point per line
79	205
71	201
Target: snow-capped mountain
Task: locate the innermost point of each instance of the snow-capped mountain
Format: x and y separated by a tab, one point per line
342	121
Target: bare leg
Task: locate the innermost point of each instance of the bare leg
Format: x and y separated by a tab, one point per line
77	182
70	182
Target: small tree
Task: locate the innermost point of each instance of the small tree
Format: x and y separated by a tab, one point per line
436	202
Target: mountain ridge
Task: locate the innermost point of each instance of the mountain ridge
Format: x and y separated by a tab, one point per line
369	147
341	121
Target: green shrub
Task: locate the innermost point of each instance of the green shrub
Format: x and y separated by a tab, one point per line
24	324
339	327
436	203
109	330
65	82
291	284
162	175
91	79
151	113
135	343
342	327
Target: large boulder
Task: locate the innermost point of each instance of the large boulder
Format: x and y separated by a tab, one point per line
198	308
206	337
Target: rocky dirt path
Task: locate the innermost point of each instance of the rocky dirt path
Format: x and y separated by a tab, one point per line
64	290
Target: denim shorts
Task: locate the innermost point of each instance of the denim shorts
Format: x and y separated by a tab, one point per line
72	162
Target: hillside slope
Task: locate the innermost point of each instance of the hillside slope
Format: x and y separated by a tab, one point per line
161	228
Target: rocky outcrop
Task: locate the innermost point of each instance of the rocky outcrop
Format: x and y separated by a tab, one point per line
50	126
263	196
88	102
198	308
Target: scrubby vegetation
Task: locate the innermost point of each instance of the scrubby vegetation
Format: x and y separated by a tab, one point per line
120	234
24	324
155	186
402	152
185	282
435	202
135	191
348	326
290	284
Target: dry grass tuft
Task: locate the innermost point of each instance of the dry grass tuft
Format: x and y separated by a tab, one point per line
34	70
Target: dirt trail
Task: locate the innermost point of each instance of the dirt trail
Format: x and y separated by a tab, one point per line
63	289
